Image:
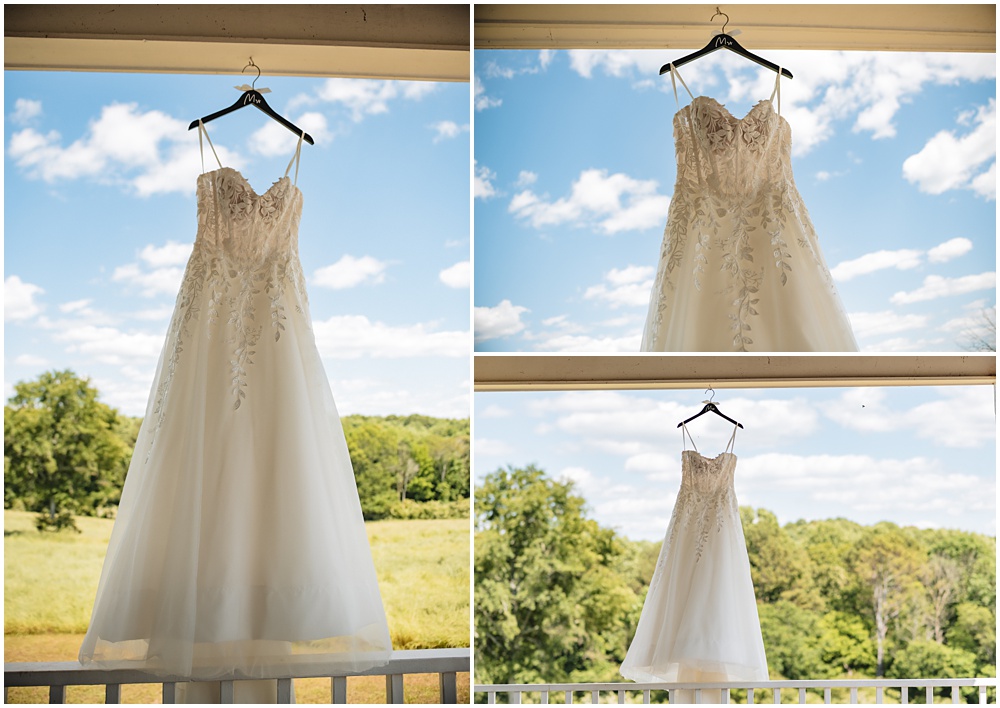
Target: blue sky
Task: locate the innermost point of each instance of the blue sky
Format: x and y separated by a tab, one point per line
924	456
100	217
894	155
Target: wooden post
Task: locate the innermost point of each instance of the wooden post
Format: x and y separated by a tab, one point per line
394	688
448	684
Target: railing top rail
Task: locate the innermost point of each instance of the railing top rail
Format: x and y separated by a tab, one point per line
825	683
72	673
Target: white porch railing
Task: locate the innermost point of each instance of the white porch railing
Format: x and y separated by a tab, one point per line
446	663
757	691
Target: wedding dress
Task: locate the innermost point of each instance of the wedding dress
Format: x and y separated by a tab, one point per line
740	265
699	622
239	540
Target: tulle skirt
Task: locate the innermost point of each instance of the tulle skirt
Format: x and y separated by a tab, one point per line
239	543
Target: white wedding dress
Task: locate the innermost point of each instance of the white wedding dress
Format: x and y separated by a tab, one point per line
699	621
239	540
740	266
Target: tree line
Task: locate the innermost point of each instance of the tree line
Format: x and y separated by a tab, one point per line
67	453
558	597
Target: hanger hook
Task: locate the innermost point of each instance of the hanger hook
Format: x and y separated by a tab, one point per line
712	397
254	84
720	12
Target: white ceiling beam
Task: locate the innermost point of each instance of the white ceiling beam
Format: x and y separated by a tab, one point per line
414	42
539	372
910	27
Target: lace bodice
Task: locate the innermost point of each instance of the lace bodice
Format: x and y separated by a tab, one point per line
245	229
729	156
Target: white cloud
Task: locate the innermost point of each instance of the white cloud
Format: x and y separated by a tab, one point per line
150	151
526	178
903	259
866	87
25	109
274	139
628	286
158	281
494	411
19	299
500	321
949	249
110	345
75	305
948	162
545	57
936	286
31	360
608	203
354	336
349	272
457	276
385	397
482	100
586	343
985	185
448	129
485	447
962	416
483	184
153	313
367	97
171	253
873	324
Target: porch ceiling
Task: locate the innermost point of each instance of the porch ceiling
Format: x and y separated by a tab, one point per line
581	372
417	42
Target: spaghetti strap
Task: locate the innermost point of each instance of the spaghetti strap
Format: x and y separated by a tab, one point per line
732	439
777	90
685	436
295	159
201	146
673	73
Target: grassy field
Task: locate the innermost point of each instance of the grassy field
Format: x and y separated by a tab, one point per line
50	581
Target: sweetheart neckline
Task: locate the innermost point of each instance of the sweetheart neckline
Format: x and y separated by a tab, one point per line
727	111
710	459
249	186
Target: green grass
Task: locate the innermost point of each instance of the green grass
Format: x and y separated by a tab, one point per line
50	579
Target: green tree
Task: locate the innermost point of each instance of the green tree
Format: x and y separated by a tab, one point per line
552	593
780	568
886	563
923	658
846	644
65	452
975	631
374	454
791	641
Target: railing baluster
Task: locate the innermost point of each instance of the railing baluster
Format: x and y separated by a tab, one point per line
697	695
802	695
749	696
226	692
491	697
621	696
113	693
955	694
284	690
394	688
904	695
545	698
338	689
982	694
725	695
514	697
929	694
448	683
645	697
169	693
854	695
777	695
57	694
569	697
827	695
595	696
878	694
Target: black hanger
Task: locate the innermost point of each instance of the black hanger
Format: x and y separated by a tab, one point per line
254	98
724	41
710	408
